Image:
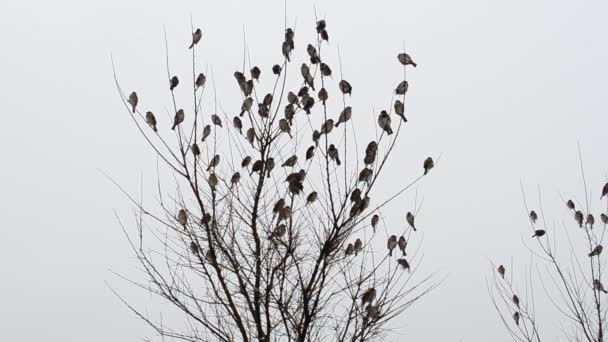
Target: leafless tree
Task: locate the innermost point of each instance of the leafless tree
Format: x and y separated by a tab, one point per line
568	262
268	231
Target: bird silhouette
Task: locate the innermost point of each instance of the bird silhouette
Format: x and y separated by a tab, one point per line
246	161
178	119
366	175
324	35
133	100
400	110
311	198
578	217
332	151
370	153
604	191
401	88
375	220
533	216
590	221
257	167
516	318
321	25
284	127
196	37
310	153
236	177
276	69
216	120
151	120
286	49
539	233
255	73
327	126
173	82
597	284
251	135
213	181
428	165
358	246
307	103
200	80
269	166
402	243
316	135
515	300
391	244
325	70
597	250
323	96
305	71
290	162
403	263
384	121
604	218
345	115
409	217
501	271
196	151
238	124
206	132
182	217
405	59
246	106
570	205
213	162
345	87
368	296
350	249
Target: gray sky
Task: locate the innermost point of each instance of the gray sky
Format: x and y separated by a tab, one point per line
504	90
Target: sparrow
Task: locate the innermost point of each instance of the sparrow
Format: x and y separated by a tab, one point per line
296	177
375	220
310	152
196	151
269	166
570	205
428	165
213	180
403	263
325	70
307	103
516	318
278	206
236	177
216	120
409	217
578	217
279	231
332	151
400	109
255	73
316	135
276	69
289	113
312	52
173	82
327	127
285	213
321	25
596	251
151	120
286	49
284	127
372	312
182	217
370	153
267	101
604	218
206	132
312	197
238	124
307	76
402	243
405	59
323	96
345	87
358	246
291	161
133	100
196	37
292	98
515	300
345	115
246	106
384	121
391	244
533	216
178	119
246	161
194	247
251	135
590	221
598	285
539	233
368	296
303	91
324	35
350	249
257	167
200	80
213	162
501	271
355	196
604	191
366	175
401	88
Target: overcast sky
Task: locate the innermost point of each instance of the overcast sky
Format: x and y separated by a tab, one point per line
503	91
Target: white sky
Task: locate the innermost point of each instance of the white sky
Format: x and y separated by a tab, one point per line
504	90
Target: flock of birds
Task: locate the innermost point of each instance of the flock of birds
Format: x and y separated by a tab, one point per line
580	220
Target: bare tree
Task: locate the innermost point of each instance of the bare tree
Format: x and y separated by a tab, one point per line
568	261
268	230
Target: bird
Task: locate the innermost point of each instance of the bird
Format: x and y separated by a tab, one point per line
133	100
332	151
303	91
290	162
401	88
289	112
246	161
316	135
325	70
368	296
194	247
345	87
428	165
236	177
516	318
246	105
213	180
289	35
515	300
370	153
324	35
391	244
305	71
196	37
267	101
590	221
323	96
279	231
286	49
345	115
307	103
604	218
403	263
366	175
269	166
604	191
216	120
240	77
538	233
238	124
297	177
151	120
178	119
358	246
327	126
405	59
384	121
278	206
312	51
375	220
310	152
597	250
182	217
276	69
321	25
206	132
400	110
173	82
570	205
196	151
597	284
501	271
284	127
372	313
213	162
251	135
312	197
533	216
257	166
578	217
255	73
350	249
285	213
402	243
409	217
355	195
292	98
200	80
263	110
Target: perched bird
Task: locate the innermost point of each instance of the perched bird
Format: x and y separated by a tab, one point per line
409	217
290	162
263	110
312	197
238	124
285	213
391	244
292	98
372	313
332	151
384	121
133	100
590	221
597	284
358	246
173	82
200	80
428	165
246	106
216	120
269	166
267	101
323	96
240	78
310	152
289	113
345	87
179	118
182	217
604	218
368	296
539	233
405	59
345	115
307	76
236	177
578	217
324	35
303	91
401	88
370	153
597	250
355	195
194	248
312	52
400	110
316	135
403	263
307	103
289	34
321	25
327	127
279	231
278	206
570	205
284	127
151	120
257	166
515	300
196	37
286	49
297	177
533	216
196	151
213	162
276	69
402	243
350	249
248	88
375	220
516	318
213	180
246	161
206	132
251	135
604	191
366	175
501	271
255	73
